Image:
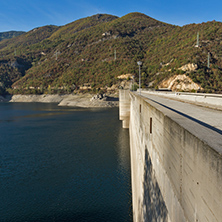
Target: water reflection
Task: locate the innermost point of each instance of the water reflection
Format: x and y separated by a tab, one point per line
123	149
44	114
38	110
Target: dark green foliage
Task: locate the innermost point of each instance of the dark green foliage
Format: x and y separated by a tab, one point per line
60	59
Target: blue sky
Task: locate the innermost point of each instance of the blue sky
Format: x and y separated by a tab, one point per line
24	15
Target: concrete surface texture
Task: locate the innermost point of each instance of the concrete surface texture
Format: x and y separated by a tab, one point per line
124	108
202	99
176	160
204	123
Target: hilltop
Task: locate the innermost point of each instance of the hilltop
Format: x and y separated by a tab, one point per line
89	54
10	34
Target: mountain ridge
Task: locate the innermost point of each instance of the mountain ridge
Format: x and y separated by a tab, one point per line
10	34
96	49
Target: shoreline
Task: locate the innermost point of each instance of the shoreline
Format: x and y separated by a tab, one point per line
78	100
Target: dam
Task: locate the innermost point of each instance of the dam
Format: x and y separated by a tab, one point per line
176	156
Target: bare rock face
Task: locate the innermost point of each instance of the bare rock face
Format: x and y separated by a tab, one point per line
99	100
80	100
102	97
37	98
189	67
180	83
125	76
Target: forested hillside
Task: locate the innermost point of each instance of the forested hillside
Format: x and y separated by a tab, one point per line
94	51
9	35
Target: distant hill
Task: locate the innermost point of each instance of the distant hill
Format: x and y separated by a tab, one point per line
9	35
94	51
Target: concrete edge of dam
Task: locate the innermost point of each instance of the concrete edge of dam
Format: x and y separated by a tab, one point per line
175	175
201	99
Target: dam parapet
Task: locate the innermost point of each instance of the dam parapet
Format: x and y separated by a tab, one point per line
176	163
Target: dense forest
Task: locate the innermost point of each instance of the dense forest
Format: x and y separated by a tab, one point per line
95	50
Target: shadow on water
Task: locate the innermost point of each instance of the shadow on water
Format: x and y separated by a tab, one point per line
154	205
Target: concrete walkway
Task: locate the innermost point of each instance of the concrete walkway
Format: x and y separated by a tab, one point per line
202	99
204	123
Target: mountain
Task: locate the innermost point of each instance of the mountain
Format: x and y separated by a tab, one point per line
94	51
9	35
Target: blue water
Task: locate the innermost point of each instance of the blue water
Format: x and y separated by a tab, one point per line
63	164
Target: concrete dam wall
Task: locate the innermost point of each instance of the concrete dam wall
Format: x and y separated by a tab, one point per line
175	176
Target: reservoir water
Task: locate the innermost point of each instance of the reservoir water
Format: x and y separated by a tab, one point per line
63	164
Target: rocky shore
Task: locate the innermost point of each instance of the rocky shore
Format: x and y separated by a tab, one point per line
80	100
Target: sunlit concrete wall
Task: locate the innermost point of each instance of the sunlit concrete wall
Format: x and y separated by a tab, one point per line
124	107
175	176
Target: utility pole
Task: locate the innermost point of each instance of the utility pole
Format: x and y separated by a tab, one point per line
139	63
198	42
198	39
208	60
56	54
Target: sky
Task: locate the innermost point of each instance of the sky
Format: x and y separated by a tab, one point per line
25	15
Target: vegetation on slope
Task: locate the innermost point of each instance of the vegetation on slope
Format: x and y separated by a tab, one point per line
9	35
97	49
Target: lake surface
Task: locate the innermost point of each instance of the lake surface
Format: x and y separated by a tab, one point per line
63	164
